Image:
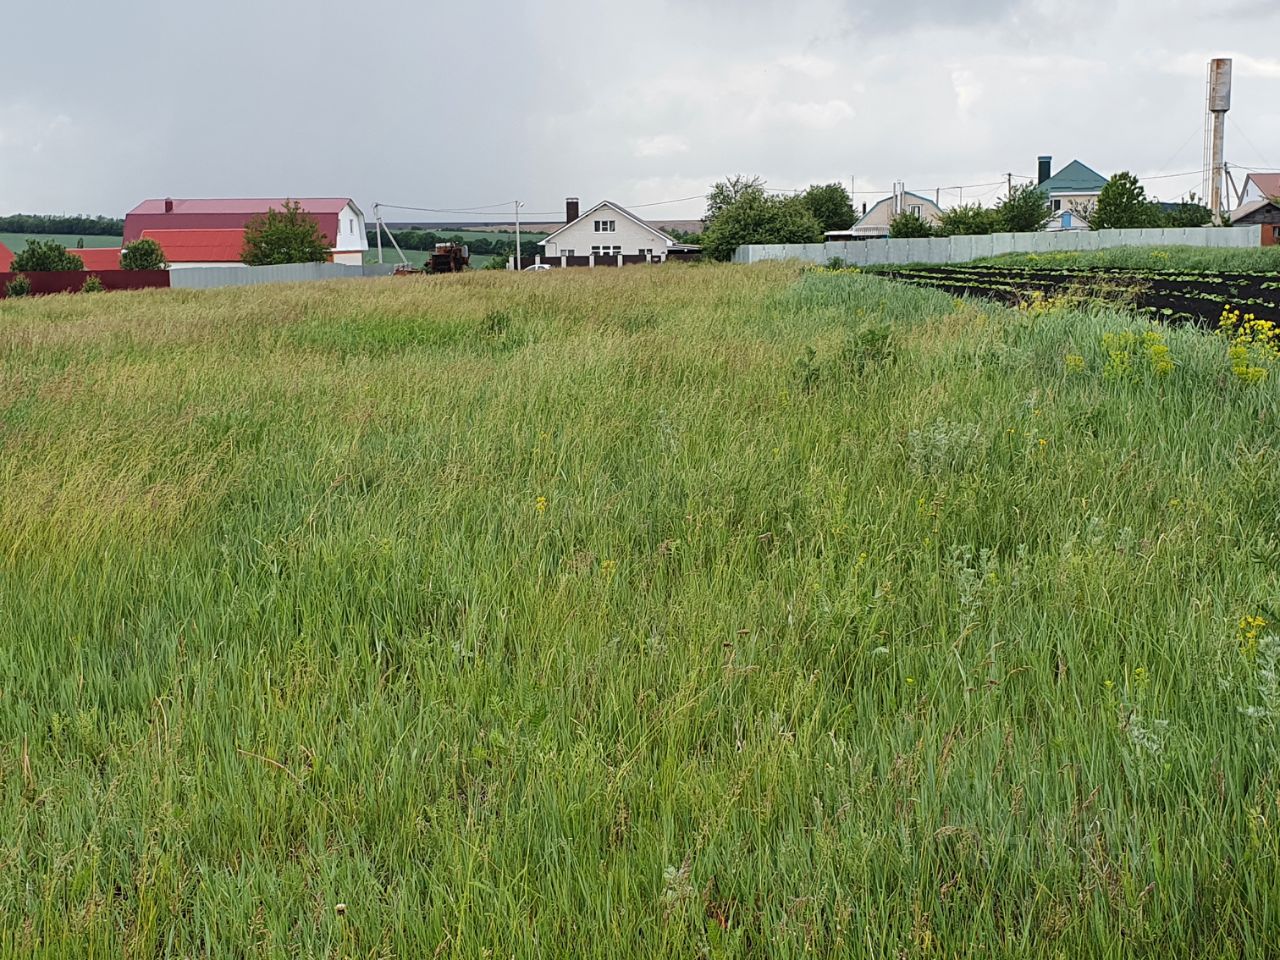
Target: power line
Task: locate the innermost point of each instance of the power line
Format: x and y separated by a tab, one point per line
1238	130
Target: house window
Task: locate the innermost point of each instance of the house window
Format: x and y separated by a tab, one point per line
606	226
606	251
915	208
566	253
1057	206
646	251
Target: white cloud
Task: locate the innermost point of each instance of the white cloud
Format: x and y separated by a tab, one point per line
662	145
824	115
968	90
807	65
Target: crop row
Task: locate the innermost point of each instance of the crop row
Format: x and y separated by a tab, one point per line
1172	296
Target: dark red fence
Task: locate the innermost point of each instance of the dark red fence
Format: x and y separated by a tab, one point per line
72	281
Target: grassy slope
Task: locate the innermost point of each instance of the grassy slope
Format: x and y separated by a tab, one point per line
1151	258
16	241
769	671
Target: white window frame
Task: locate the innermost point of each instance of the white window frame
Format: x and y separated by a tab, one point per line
606	226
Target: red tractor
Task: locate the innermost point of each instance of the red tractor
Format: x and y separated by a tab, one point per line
449	258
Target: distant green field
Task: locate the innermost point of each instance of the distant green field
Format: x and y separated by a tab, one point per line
469	235
16	241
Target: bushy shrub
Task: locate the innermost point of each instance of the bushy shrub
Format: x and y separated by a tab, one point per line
908	225
968	219
143	254
19	286
92	284
41	256
1024	210
1123	205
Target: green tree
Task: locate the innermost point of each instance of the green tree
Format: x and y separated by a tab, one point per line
831	204
1024	210
143	254
39	256
756	217
284	236
968	219
1188	215
1123	205
728	192
909	225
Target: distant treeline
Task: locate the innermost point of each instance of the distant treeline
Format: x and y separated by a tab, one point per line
43	223
427	240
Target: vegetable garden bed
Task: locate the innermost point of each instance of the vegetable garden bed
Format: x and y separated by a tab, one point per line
1171	296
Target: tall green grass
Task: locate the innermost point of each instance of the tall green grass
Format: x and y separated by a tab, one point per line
694	611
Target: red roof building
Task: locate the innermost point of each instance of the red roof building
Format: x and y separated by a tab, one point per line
6	259
184	248
339	219
1260	186
98	258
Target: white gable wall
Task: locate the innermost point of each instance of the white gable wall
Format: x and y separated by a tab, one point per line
351	235
581	236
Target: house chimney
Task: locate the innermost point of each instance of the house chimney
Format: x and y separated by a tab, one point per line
168	206
1046	170
570	209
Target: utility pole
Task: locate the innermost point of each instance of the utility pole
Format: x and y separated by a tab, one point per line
518	206
1009	189
377	222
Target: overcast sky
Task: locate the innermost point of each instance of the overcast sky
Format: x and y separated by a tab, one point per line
463	104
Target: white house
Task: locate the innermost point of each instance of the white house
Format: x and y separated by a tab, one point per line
875	223
607	230
1071	192
1260	186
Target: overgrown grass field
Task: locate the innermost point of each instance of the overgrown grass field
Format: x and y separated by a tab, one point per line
702	611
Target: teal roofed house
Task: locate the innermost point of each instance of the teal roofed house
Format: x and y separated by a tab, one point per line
1071	191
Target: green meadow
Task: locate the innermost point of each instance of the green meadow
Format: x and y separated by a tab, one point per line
698	611
17	241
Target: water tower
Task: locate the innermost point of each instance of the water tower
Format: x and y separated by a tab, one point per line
1217	104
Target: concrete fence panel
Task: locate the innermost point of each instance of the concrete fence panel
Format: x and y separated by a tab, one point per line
961	249
209	278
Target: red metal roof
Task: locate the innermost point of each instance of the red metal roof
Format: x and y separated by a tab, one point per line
1268	183
199	246
98	258
246	205
227	214
6	258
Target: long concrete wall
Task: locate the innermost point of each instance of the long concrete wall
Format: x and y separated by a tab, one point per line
861	253
207	278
